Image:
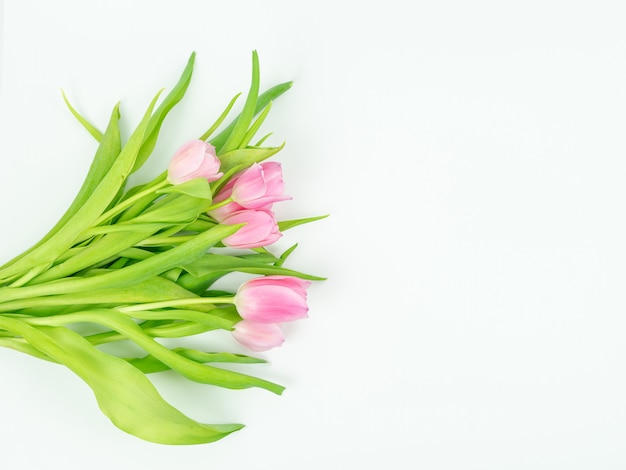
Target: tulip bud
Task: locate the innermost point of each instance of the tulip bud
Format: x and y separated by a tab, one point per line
194	159
272	299
258	187
258	336
261	229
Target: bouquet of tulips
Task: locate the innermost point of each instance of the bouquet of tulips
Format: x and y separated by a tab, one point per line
138	264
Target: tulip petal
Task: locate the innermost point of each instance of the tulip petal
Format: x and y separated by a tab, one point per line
250	185
258	336
261	229
271	304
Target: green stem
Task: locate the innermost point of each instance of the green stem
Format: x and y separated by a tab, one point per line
29	275
156	241
220	204
125	326
129	275
129	202
177	303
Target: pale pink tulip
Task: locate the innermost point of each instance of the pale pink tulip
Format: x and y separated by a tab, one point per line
261	229
257	187
258	336
272	299
194	159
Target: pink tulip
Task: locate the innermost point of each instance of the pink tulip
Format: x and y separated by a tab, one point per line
272	299
261	229
258	336
195	159
257	187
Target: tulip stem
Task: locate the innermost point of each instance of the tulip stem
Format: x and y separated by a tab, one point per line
128	202
220	204
177	303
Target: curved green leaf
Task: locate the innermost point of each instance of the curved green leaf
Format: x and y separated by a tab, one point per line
154	126
247	156
235	138
263	100
96	134
90	210
124	393
107	153
188	368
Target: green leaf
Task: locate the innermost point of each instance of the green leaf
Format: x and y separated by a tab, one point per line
243	122
255	126
197	187
285	255
173	209
18	344
154	126
262	101
150	290
186	367
86	124
213	263
199	284
216	186
204	272
262	139
175	329
125	227
203	318
141	204
149	364
220	119
124	394
89	211
266	258
109	245
247	156
287	224
178	256
105	157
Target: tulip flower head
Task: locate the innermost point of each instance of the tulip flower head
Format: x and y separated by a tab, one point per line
258	187
261	229
194	159
272	299
258	336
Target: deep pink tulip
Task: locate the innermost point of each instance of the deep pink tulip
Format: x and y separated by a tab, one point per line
257	187
261	229
258	336
272	299
194	159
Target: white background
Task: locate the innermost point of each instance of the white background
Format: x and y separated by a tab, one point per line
472	158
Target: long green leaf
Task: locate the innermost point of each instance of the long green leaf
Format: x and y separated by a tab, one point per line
109	245
243	122
154	126
178	256
247	156
188	368
149	364
264	99
255	126
124	394
90	210
105	156
287	224
96	134
151	290
220	119
214	263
